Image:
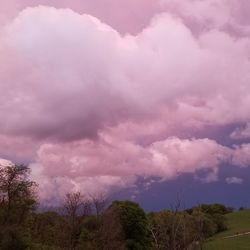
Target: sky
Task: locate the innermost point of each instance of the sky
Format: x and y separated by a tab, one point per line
138	98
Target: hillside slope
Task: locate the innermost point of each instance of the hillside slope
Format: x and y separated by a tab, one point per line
238	224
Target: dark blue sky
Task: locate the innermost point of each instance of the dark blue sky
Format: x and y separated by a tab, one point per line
192	191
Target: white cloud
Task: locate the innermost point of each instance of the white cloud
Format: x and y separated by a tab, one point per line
5	163
234	180
241	133
71	85
241	155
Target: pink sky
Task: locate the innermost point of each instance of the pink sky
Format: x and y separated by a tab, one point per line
102	92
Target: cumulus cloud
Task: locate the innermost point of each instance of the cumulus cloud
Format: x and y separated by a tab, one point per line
113	163
131	16
90	76
93	108
241	155
234	180
241	133
227	15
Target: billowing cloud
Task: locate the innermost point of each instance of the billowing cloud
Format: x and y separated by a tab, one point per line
129	16
89	75
94	108
114	163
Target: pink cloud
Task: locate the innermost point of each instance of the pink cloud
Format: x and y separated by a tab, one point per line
131	16
230	15
125	16
20	149
241	133
98	77
98	108
113	163
241	156
4	163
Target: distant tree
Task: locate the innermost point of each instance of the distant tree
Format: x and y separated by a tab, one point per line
110	234
213	215
11	238
73	207
17	201
99	202
17	193
242	208
170	230
205	226
134	224
88	238
48	229
212	209
230	209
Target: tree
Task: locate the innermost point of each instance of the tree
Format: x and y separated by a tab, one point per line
17	201
17	193
99	202
110	233
134	224
172	230
12	239
73	207
48	229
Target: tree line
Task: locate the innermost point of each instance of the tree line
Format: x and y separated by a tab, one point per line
94	224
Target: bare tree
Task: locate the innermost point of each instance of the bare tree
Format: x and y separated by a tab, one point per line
99	202
154	231
176	222
73	207
87	207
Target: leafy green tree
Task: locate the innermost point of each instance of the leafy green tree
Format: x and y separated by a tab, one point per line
17	201
134	223
16	193
48	230
110	234
11	238
172	230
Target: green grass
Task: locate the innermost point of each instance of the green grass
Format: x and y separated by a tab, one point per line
238	222
239	243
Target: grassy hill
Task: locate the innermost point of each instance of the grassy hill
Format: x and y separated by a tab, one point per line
238	223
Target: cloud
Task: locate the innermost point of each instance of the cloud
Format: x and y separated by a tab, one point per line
112	163
241	133
241	155
4	163
129	16
93	108
230	15
68	79
95	75
234	180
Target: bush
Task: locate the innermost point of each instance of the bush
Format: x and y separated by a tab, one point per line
11	239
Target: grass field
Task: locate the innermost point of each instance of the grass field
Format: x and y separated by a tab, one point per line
238	222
